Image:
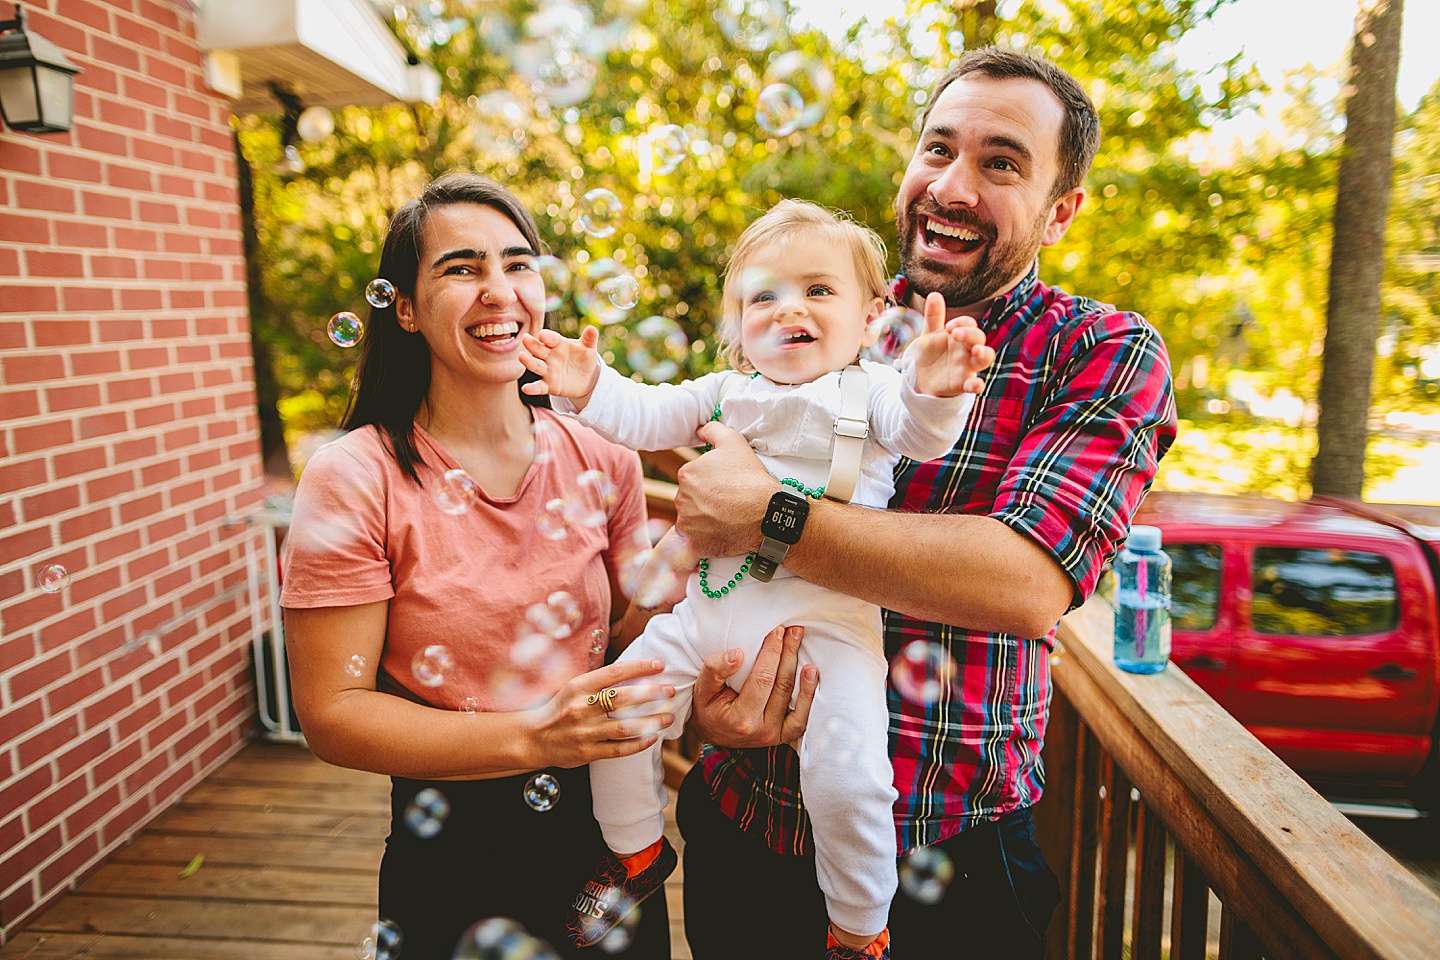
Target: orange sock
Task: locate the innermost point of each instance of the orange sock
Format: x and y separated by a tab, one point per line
637	863
876	947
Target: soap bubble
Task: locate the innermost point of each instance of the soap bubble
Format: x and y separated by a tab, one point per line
426	813
500	134
812	82
315	123
590	504
557	617
600	291
923	671
778	109
455	492
432	665
500	938
838	740
382	943
752	24
619	937
380	293
652	576
546	439
657	348
599	640
52	579
1057	653
599	210
566	607
355	666
470	706
541	792
560	39
668	145
556	277
345	329
551	520
925	873
892	332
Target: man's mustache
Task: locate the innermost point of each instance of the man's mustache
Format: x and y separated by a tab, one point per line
955	218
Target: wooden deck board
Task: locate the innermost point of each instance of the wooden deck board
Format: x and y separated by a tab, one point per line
291	849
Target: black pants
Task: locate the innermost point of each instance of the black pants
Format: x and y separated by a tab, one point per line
997	905
495	856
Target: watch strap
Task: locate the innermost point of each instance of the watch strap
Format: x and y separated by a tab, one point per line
851	429
767	559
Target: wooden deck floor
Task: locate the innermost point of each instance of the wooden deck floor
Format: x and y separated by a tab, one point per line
291	849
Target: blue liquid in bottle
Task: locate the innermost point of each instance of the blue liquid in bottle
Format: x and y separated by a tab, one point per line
1142	603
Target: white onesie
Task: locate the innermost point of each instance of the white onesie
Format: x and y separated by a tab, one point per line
845	774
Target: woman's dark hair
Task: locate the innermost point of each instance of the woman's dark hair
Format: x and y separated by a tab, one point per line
393	374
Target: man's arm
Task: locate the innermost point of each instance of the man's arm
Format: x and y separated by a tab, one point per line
965	570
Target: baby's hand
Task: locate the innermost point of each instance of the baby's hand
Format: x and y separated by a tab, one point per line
949	355
567	368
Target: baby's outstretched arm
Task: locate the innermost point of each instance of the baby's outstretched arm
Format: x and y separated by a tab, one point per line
949	355
567	368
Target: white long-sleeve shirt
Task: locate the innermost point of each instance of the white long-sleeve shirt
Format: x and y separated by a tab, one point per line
789	426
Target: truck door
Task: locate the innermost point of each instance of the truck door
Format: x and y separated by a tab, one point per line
1332	672
1202	617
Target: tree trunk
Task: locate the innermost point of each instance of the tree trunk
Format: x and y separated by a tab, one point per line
1357	251
273	452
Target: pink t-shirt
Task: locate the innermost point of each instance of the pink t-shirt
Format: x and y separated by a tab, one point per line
362	532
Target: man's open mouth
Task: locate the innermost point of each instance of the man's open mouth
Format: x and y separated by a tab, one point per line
495	332
950	237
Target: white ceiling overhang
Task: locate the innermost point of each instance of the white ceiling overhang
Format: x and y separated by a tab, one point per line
332	53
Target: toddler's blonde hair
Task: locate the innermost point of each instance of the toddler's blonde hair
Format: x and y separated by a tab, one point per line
785	220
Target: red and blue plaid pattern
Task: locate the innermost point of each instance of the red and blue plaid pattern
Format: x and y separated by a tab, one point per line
1063	443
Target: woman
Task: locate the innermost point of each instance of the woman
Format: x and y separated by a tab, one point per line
404	600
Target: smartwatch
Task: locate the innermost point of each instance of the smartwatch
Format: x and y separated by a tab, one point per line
781	528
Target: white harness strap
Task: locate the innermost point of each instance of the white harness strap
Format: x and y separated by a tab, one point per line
851	429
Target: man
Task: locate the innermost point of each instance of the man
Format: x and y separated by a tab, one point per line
981	553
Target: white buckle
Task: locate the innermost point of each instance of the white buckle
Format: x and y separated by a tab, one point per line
849	427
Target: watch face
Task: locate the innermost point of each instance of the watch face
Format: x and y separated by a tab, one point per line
785	518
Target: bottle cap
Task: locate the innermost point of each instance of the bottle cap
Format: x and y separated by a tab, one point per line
1144	538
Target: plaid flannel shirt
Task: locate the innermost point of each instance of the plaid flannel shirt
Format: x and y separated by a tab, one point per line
1061	445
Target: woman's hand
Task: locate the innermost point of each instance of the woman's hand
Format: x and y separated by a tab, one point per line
568	731
760	714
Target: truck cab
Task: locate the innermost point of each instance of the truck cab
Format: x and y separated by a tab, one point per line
1316	624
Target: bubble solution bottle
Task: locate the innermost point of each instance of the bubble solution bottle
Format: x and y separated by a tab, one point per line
1142	603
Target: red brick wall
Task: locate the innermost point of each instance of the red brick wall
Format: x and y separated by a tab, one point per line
127	418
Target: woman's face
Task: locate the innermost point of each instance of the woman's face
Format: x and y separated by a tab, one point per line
476	291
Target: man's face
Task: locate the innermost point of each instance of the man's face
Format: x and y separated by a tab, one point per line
974	207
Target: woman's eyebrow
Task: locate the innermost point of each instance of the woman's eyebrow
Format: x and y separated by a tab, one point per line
466	253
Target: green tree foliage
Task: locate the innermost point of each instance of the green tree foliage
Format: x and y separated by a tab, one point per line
1227	258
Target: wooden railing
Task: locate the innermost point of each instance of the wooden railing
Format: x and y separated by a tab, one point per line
1175	833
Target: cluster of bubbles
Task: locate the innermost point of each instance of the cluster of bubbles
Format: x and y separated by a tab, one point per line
538	662
925	874
542	792
500	938
586	504
619	938
381	943
425	815
923	671
52	579
657	565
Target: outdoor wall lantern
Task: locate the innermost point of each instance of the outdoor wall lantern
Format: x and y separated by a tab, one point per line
37	83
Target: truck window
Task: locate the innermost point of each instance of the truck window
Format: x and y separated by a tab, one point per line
1195	585
1313	592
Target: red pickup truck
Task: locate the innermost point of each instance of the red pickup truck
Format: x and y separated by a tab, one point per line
1317	625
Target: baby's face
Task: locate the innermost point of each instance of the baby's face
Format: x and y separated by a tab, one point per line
803	312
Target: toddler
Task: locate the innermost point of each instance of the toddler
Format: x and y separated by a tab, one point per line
801	290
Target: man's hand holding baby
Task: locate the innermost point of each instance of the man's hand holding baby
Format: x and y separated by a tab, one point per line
566	368
949	355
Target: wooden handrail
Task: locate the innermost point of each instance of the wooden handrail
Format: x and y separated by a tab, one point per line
1295	877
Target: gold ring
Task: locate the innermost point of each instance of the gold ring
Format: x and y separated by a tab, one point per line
606	699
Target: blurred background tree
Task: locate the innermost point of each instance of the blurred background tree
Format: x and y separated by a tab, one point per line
1227	257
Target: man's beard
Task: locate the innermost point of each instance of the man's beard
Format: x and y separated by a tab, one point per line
998	265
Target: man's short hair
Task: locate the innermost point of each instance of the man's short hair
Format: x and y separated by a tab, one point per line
1079	131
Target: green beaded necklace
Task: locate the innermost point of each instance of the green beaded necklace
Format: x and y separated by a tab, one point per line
734	581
